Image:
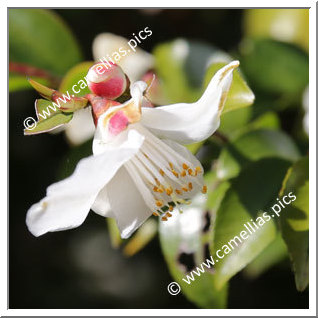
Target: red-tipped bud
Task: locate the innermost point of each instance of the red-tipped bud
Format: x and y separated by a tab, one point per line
100	105
107	80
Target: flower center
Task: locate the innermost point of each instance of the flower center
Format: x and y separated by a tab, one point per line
164	177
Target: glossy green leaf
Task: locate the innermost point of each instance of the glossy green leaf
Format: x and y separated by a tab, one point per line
275	67
287	25
252	146
240	95
273	254
250	195
40	38
74	81
234	122
294	220
54	121
183	235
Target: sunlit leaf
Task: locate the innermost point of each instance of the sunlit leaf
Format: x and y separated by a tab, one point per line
74	81
274	253
54	121
249	196
294	220
40	38
240	95
252	146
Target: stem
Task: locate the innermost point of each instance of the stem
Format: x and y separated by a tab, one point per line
221	137
28	70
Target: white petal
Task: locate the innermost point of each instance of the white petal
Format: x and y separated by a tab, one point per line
127	204
101	204
134	64
189	123
81	128
68	202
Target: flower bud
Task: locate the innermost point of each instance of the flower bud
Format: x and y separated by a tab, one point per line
100	105
107	80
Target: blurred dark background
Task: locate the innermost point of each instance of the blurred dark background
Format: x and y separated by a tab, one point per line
78	268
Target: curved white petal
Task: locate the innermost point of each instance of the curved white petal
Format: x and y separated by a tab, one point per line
189	123
101	204
68	202
134	64
127	203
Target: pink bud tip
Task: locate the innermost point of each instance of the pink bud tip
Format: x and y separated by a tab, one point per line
106	80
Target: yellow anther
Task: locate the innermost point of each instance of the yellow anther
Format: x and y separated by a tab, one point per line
155	214
185	166
162	172
183	173
185	189
175	173
157	182
170	165
169	215
155	189
198	169
159	203
204	189
170	208
190	185
164	218
146	156
178	191
190	172
169	191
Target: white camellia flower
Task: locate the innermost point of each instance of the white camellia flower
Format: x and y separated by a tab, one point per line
139	167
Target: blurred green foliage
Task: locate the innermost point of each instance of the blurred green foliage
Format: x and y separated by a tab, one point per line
256	155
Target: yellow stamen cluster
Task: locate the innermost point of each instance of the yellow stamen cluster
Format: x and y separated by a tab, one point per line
161	191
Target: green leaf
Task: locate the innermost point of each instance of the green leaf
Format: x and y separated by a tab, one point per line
252	146
54	121
183	235
75	76
40	38
181	65
249	196
240	95
294	220
275	67
234	122
272	23
20	82
274	253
